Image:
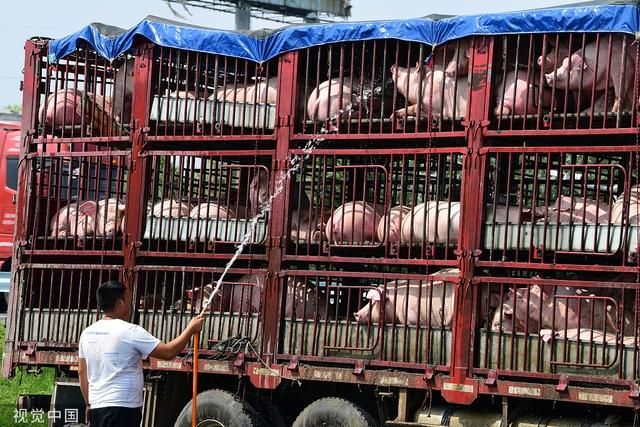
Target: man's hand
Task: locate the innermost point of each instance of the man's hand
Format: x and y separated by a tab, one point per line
172	349
195	325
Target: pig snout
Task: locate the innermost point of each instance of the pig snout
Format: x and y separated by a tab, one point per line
370	312
363	315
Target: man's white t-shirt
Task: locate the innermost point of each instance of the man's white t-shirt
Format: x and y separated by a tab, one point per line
113	350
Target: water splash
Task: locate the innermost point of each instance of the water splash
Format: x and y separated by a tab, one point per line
296	161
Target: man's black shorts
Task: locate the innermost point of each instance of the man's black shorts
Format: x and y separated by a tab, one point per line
115	416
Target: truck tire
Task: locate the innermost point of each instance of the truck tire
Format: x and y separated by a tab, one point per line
218	408
335	412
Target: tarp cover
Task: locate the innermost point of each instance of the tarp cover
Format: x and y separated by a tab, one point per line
263	45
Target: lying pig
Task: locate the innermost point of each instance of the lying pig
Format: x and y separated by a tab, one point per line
518	96
617	210
306	226
432	222
211	210
354	223
109	218
499	214
74	220
578	71
330	100
245	296
169	208
577	210
263	91
413	302
389	227
536	307
64	107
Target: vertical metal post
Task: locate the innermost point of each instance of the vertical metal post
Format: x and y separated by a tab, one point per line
243	16
136	208
285	109
32	56
480	55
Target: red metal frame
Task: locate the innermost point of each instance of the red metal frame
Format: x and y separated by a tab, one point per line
458	381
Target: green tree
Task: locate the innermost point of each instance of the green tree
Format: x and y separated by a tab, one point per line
14	108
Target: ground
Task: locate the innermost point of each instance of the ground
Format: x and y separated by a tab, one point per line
22	383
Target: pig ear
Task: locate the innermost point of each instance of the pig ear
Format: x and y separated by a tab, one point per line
507	310
190	293
373	295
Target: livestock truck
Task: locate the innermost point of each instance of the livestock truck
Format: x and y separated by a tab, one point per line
419	222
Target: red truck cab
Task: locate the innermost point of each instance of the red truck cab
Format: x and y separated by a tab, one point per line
10	149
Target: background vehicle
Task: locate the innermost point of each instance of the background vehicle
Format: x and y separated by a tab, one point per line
10	146
509	273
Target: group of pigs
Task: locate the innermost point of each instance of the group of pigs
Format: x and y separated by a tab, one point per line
106	217
427	89
410	302
243	297
65	106
565	312
438	90
82	219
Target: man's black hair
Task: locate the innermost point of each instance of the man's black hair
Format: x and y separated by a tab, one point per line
108	293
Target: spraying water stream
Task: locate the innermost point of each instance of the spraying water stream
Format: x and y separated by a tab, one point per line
265	208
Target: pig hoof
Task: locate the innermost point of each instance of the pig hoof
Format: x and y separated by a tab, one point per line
546	334
616	106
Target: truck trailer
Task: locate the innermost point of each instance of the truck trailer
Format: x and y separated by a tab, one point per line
414	222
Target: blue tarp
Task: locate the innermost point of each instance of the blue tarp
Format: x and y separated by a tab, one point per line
261	46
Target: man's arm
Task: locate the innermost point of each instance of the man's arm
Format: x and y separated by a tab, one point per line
168	351
84	382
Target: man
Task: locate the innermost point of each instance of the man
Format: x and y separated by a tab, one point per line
110	359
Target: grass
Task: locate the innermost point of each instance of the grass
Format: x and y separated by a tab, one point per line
22	383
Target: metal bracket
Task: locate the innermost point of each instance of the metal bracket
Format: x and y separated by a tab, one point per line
635	391
277	242
284	121
359	369
428	373
31	348
293	363
492	376
239	362
563	383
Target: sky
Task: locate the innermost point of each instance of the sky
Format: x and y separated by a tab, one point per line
58	18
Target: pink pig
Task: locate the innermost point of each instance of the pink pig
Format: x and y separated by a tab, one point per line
109	218
330	100
459	65
407	302
430	91
354	223
579	69
74	220
389	227
64	107
432	222
519	96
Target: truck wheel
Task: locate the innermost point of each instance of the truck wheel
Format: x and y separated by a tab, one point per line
336	412
218	408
